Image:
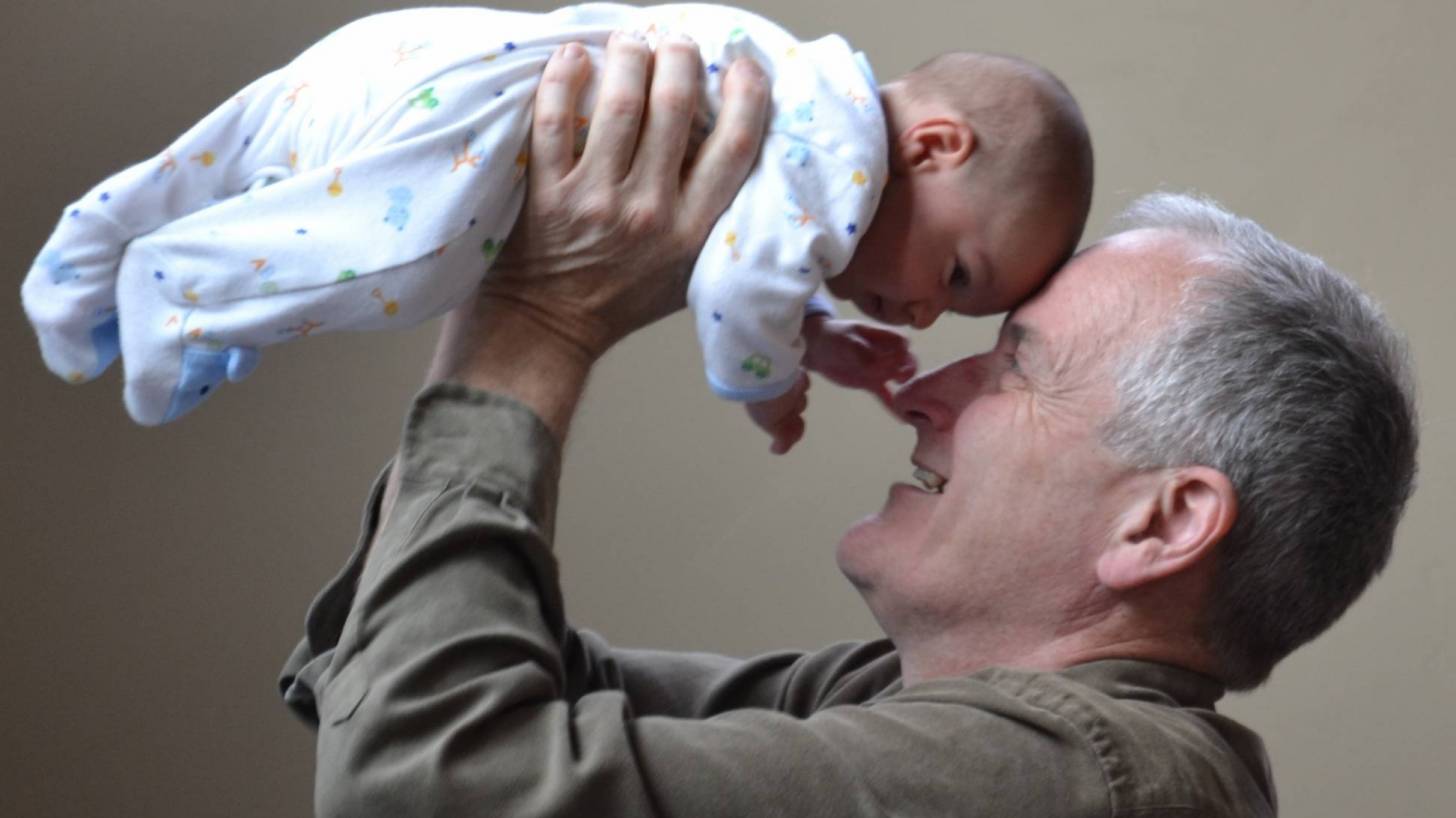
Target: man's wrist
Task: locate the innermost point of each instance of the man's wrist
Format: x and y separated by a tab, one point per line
510	347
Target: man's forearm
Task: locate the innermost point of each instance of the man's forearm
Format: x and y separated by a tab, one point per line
507	349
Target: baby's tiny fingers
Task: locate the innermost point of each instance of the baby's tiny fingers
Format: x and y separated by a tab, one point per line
908	368
884	395
787	434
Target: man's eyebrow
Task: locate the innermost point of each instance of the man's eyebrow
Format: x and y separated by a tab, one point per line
1021	333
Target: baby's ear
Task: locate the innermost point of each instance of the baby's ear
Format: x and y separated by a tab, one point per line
937	143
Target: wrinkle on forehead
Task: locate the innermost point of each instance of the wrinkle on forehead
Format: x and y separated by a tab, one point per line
1135	281
1119	292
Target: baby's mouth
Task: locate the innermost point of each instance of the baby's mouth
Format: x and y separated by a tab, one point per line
873	306
933	483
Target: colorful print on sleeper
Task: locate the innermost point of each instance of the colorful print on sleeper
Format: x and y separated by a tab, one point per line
371	182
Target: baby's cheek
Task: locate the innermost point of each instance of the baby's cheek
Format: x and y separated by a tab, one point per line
873	265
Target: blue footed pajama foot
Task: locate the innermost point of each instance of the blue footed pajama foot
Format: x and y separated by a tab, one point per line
202	371
82	356
70	299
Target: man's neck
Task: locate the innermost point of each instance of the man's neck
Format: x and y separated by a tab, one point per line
951	653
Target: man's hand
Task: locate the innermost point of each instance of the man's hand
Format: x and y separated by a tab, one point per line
783	417
604	245
857	355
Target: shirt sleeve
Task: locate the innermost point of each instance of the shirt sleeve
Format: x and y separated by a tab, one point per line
439	672
443	681
454	688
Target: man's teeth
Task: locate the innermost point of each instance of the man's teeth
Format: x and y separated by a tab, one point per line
932	481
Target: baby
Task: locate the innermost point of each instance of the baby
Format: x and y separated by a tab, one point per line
372	181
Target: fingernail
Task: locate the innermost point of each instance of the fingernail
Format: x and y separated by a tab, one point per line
572	51
677	37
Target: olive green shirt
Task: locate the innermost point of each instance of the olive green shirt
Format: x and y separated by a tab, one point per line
442	679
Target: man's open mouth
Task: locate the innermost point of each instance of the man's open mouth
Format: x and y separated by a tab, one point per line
932	482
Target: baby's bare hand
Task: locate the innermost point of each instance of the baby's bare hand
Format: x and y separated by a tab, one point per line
858	355
783	417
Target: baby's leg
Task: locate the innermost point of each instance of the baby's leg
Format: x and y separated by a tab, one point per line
398	227
69	294
178	355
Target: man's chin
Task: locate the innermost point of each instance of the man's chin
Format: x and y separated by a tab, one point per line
857	549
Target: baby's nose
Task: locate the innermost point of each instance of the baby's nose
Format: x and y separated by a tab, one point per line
922	314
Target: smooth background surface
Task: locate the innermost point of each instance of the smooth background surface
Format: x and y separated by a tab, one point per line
152	580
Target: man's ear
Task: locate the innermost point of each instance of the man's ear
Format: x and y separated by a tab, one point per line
937	143
1170	528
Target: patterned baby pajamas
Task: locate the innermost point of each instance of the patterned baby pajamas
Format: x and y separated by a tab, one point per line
370	183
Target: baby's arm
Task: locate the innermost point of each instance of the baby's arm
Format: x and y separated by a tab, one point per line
783	417
850	353
857	355
795	222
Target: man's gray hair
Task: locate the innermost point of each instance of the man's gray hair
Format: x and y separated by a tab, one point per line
1282	374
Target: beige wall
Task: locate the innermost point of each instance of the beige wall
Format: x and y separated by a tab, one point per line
151	581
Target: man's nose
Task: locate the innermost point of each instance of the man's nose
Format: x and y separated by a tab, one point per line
934	399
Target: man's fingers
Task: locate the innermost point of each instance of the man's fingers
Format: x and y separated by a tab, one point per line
677	71
617	118
729	152
553	121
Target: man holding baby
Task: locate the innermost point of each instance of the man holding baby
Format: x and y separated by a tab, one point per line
1184	457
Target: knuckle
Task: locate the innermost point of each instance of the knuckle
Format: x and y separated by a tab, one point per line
628	45
677	46
557	73
680	53
551	123
674	101
621	105
750	86
645	218
739	144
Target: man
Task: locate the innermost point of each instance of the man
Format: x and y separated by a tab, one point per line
1184	457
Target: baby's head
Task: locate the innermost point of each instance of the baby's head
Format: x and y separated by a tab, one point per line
990	183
